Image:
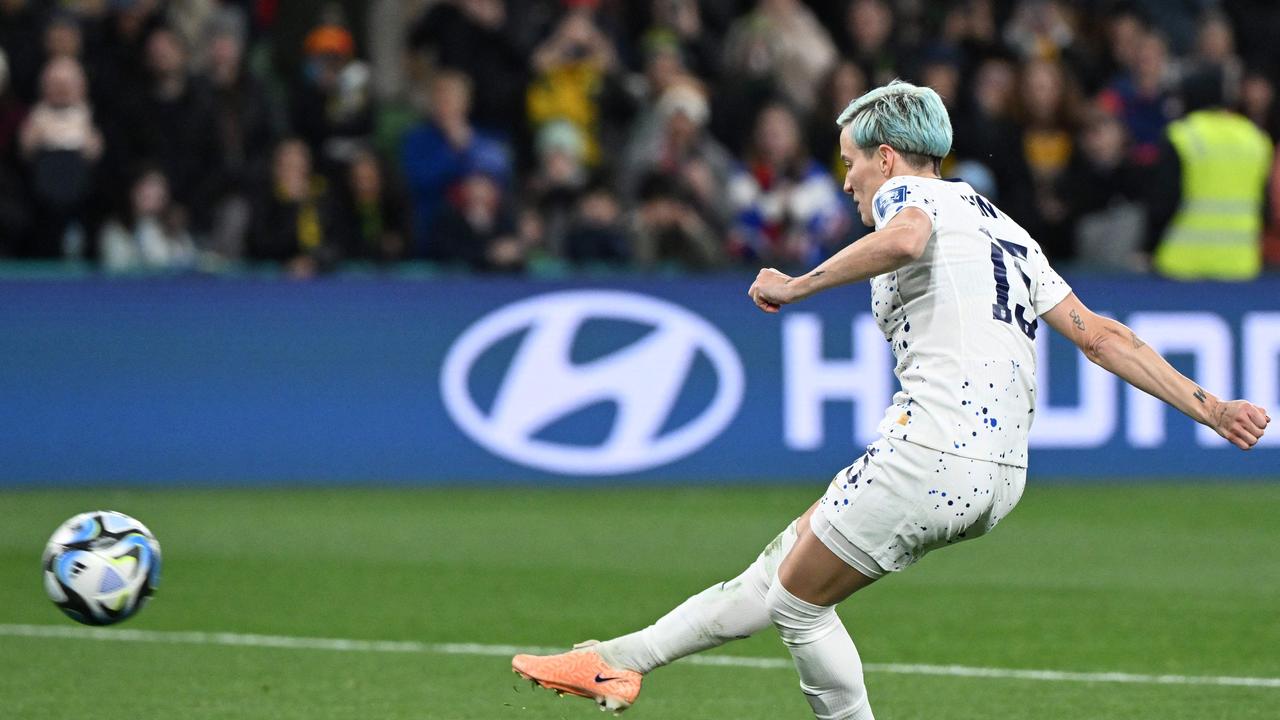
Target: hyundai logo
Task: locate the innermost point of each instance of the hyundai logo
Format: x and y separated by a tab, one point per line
542	384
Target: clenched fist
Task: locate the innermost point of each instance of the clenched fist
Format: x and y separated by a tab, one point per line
770	292
1241	422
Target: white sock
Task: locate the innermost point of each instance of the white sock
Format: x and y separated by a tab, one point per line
725	611
828	663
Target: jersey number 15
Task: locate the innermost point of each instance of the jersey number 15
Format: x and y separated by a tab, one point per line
1000	309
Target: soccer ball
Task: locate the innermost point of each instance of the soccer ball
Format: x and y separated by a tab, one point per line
100	567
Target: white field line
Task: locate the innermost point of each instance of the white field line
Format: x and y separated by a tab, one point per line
411	647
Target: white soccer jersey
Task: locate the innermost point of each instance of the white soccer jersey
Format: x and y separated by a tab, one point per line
962	322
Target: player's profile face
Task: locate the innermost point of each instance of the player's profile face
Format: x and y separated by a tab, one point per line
862	176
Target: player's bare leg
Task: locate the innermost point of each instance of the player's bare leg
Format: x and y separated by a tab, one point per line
811	581
726	611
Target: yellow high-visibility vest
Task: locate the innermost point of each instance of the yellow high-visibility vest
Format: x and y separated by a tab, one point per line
1216	233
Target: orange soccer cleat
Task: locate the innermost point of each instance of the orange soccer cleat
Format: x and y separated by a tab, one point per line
584	673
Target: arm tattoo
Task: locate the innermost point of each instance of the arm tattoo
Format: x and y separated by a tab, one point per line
816	273
1137	341
1079	321
1199	395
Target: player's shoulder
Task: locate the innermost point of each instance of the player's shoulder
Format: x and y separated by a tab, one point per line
905	185
900	192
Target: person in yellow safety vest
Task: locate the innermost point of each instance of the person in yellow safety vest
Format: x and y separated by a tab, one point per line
1205	201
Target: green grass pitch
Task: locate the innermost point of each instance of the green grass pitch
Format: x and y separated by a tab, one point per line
1158	579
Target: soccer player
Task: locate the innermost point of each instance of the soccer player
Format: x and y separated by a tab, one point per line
957	287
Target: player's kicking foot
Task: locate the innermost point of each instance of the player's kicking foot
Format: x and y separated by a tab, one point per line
584	673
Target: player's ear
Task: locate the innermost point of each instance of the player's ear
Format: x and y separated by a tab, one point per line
886	159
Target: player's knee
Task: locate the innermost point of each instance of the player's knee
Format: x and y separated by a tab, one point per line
762	572
798	622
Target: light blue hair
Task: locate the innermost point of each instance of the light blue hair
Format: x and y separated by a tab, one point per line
903	116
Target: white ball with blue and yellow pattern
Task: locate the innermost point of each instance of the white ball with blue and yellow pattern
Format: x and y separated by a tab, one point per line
100	567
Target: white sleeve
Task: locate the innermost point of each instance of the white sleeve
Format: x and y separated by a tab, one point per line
1050	288
898	194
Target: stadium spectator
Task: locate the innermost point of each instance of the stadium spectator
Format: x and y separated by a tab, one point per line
441	151
668	232
1040	29
559	180
970	28
778	49
1271	228
597	234
1206	191
604	68
577	79
664	65
1124	29
663	68
1050	110
477	227
531	232
153	235
846	80
940	68
373	218
868	40
244	135
749	84
1216	46
60	145
683	151
21	39
294	219
787	210
984	122
63	37
799	49
332	105
679	24
475	37
1258	102
192	20
1102	192
123	52
1142	97
170	124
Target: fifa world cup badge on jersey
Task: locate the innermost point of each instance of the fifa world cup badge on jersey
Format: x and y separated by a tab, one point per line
897	195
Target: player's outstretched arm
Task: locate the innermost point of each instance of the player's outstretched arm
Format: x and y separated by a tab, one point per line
893	246
1113	346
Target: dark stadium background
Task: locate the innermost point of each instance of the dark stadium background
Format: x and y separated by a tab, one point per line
346	301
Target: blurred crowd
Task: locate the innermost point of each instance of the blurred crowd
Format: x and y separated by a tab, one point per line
505	136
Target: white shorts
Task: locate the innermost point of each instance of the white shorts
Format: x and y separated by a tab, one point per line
900	500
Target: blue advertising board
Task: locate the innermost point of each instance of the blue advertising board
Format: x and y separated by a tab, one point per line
459	380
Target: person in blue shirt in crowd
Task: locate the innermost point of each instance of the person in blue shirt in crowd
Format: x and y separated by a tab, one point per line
437	154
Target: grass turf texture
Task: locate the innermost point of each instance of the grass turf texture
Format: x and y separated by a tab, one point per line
1178	579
